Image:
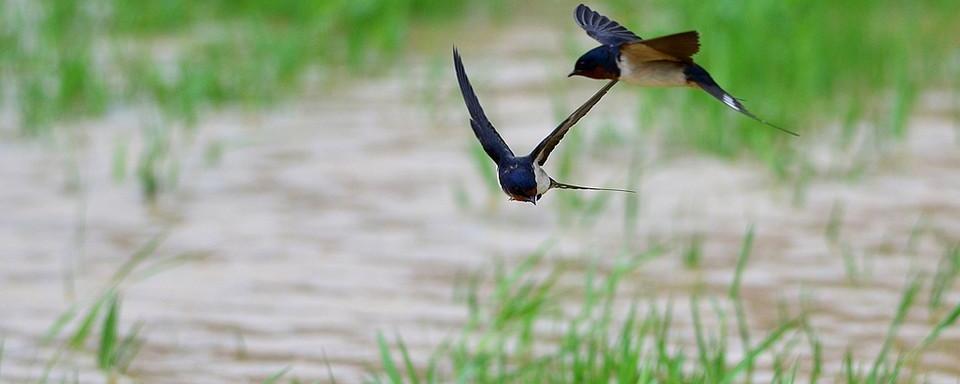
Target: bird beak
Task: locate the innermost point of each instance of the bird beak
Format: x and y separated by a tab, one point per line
533	200
572	74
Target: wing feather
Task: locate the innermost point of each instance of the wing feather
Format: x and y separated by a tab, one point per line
677	47
542	151
601	28
492	143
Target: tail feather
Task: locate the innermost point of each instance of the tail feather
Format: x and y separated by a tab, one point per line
559	185
699	76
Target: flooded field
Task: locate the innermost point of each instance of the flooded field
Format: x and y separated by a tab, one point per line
359	210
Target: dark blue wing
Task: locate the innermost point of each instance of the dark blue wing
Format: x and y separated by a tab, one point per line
601	28
491	141
542	151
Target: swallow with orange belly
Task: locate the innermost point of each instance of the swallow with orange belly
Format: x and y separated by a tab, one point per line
660	62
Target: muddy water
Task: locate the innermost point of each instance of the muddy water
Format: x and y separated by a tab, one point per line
335	217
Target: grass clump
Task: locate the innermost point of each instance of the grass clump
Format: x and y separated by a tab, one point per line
524	328
94	326
64	60
594	343
72	58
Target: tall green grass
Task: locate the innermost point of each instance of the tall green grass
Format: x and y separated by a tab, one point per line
526	327
73	59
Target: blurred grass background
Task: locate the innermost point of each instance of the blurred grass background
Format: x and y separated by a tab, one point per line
801	64
75	58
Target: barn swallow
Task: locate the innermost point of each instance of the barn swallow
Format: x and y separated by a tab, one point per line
661	62
521	177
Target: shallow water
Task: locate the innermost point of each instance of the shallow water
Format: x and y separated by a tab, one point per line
335	217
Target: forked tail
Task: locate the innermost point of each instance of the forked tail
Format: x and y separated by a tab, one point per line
699	76
559	185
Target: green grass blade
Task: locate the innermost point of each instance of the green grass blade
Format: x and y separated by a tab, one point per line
108	334
129	347
744	255
764	345
388	364
61	322
736	298
947	322
138	257
275	378
702	351
48	367
832	232
86	326
407	361
848	368
693	254
816	349
909	294
943	279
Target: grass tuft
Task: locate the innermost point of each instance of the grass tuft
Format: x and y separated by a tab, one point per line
606	337
944	278
598	343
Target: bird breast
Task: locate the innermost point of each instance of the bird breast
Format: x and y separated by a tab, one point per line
652	73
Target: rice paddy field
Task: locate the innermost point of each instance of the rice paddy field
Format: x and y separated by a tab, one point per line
289	192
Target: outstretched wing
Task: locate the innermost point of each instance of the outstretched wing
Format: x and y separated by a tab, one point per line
542	151
676	47
601	28
491	141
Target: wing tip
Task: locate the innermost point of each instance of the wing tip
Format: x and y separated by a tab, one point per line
584	15
581	8
458	65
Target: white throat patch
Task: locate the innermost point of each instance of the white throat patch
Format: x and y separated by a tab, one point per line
543	180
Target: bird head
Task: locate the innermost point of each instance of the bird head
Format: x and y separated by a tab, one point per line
597	63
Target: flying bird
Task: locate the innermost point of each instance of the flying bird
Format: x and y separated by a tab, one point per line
522	178
660	62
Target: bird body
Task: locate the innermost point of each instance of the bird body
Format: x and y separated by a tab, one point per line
522	178
664	61
661	73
